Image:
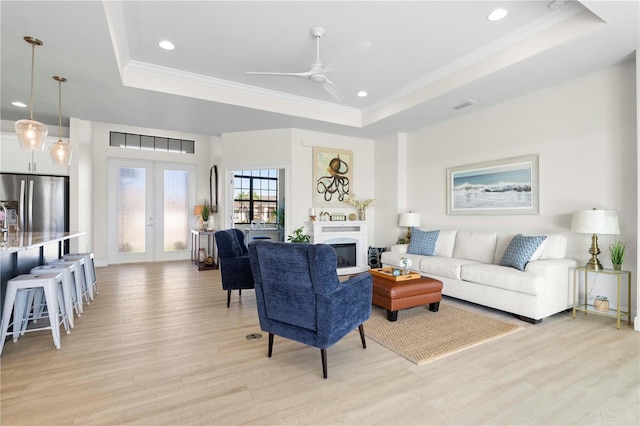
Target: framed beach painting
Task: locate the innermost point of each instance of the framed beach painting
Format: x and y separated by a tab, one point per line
332	176
508	186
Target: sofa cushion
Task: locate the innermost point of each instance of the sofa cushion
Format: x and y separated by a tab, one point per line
520	250
392	258
443	266
423	242
446	243
554	247
503	277
478	246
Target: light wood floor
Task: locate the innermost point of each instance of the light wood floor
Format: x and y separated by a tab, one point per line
158	346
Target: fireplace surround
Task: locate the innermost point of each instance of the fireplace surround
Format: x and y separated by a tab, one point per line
348	238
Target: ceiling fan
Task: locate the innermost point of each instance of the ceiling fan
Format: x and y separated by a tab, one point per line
317	71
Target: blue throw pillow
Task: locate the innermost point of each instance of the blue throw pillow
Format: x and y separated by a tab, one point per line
520	250
423	242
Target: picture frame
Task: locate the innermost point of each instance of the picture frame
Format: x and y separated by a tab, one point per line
508	186
332	176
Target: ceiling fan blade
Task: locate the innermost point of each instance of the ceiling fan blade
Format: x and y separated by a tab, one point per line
333	90
305	74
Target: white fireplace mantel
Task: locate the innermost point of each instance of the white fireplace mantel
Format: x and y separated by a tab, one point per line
332	232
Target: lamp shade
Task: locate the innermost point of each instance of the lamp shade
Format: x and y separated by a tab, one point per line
595	222
61	152
197	211
409	219
31	134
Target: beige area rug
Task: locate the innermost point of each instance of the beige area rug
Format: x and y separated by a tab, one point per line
423	336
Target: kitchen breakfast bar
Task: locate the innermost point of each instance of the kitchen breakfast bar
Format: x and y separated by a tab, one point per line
25	250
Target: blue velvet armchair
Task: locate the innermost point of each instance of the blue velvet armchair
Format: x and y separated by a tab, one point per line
235	267
299	295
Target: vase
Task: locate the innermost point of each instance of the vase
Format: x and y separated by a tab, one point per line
202	255
361	214
617	266
209	224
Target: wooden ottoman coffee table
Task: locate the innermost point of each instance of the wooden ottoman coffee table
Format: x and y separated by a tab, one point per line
404	291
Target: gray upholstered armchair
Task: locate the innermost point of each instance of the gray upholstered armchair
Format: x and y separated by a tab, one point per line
299	296
235	268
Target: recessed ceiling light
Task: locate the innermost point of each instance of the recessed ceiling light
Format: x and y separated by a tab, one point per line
166	44
497	14
19	104
363	94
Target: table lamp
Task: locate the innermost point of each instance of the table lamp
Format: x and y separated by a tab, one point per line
409	219
595	222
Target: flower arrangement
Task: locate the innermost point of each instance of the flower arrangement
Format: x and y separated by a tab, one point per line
360	205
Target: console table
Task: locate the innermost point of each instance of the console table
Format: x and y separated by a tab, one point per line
196	238
587	308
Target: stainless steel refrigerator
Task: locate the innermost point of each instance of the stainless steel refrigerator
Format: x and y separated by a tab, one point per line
36	203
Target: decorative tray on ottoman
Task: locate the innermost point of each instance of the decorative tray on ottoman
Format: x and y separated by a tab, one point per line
387	274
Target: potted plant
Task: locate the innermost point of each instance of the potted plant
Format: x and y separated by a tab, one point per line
278	216
616	254
205	213
299	236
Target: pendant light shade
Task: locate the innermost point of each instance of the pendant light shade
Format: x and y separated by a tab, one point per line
31	133
61	150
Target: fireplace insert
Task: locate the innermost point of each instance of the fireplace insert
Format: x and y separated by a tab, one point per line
346	253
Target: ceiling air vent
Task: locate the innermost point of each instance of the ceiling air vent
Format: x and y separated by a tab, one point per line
464	104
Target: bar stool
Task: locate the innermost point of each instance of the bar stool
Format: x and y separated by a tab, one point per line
68	289
18	289
90	269
77	283
80	274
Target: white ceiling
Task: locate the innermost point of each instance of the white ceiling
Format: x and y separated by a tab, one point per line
426	57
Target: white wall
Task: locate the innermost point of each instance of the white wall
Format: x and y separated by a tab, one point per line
584	132
89	177
292	149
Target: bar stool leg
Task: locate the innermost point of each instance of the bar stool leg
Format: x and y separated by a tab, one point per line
63	308
21	311
52	300
9	300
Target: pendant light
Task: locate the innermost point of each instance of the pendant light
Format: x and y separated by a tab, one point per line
61	150
31	133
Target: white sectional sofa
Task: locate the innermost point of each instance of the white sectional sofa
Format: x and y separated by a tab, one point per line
468	265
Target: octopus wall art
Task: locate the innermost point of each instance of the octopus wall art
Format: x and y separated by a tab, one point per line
332	172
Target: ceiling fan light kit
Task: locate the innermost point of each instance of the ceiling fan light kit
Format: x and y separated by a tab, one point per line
316	72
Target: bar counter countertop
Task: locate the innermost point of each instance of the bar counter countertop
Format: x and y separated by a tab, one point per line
20	241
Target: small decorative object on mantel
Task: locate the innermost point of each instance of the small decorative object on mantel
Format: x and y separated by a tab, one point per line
360	205
616	254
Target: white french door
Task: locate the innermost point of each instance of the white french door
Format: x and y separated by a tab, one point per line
149	214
